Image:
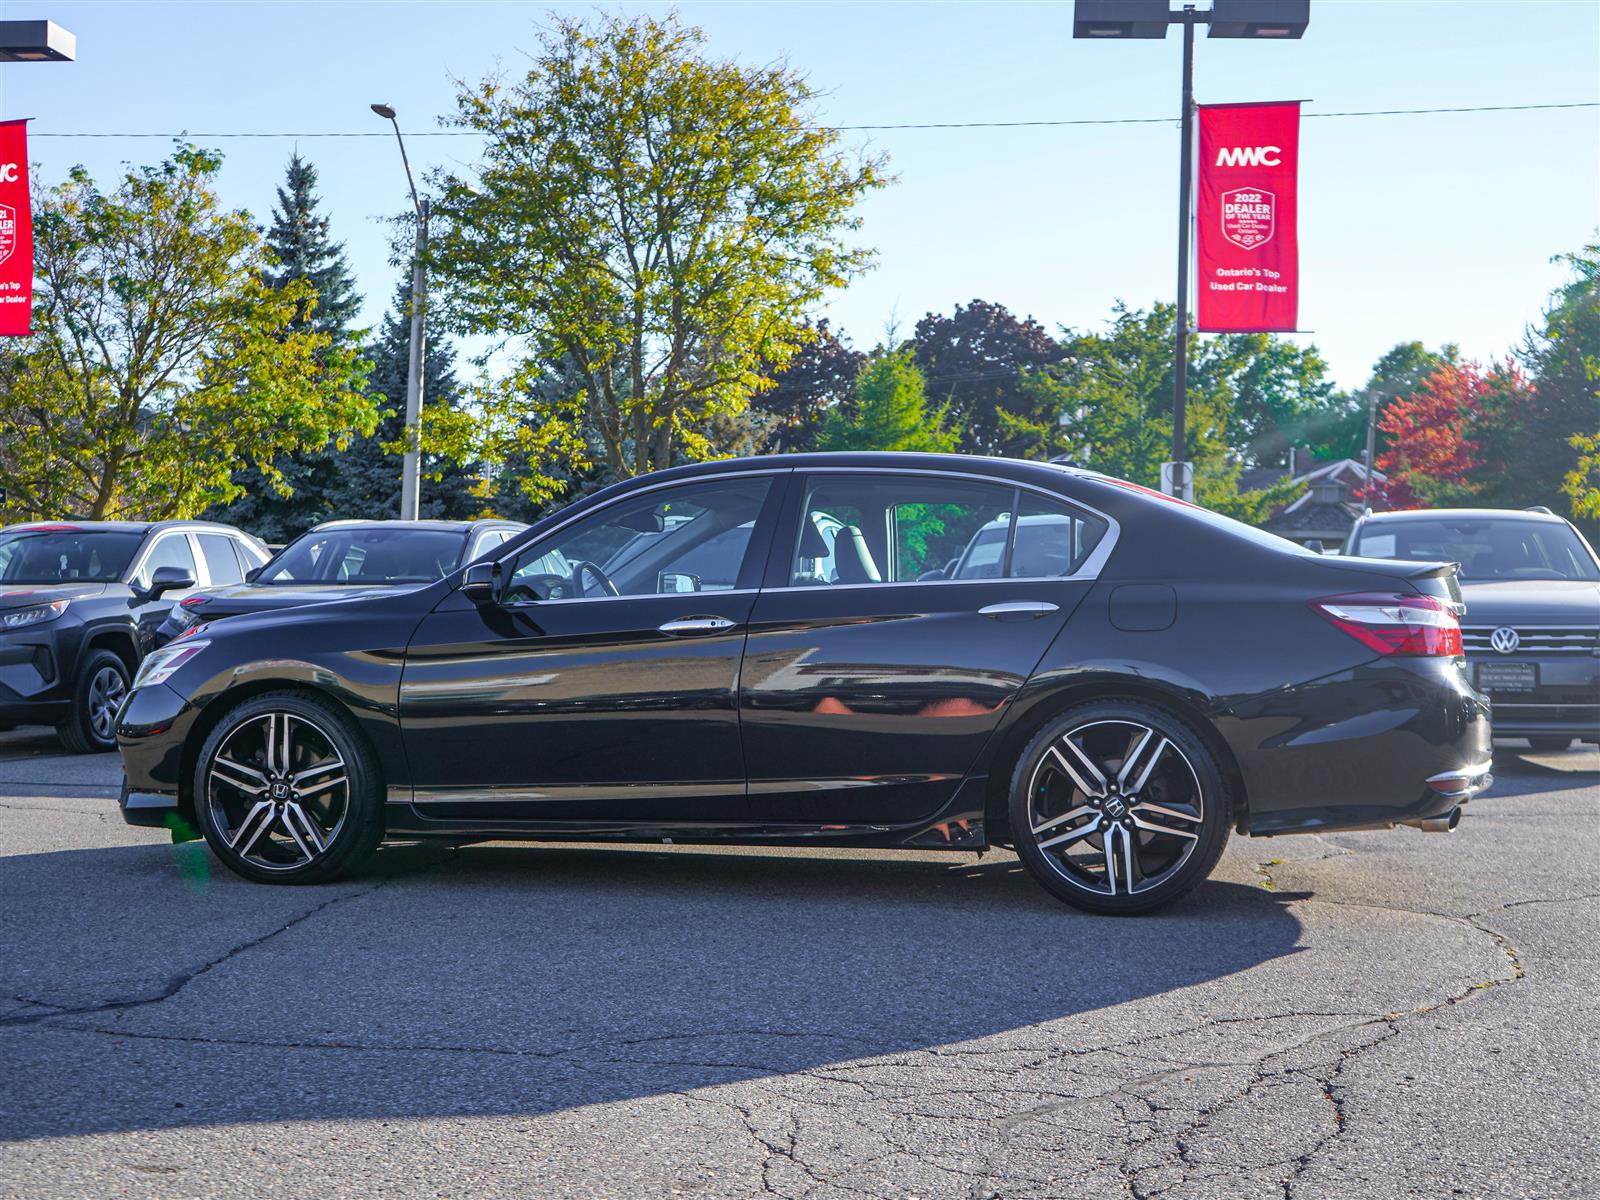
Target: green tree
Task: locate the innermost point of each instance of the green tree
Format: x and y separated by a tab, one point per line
661	219
164	359
891	411
367	477
303	251
302	244
1532	441
1109	405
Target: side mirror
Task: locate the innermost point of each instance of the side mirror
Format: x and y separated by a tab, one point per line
480	583
678	581
168	579
253	574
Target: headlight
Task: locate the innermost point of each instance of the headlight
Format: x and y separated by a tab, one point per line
159	665
16	618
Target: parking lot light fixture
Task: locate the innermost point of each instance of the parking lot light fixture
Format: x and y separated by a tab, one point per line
36	41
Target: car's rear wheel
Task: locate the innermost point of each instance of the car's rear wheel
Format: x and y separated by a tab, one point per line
1549	745
287	790
1118	807
102	686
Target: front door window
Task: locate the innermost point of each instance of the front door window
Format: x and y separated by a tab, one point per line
692	538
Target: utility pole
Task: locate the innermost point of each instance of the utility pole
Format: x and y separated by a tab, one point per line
1180	354
1372	426
411	464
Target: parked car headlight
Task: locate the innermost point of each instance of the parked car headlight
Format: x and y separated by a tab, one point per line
159	665
37	614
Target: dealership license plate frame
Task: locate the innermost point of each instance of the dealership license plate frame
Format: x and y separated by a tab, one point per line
1508	677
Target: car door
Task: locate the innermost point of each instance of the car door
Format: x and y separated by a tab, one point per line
902	612
589	693
172	548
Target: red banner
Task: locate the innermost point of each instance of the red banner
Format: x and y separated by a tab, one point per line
16	231
1249	253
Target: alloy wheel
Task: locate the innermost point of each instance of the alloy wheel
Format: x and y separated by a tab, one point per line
1115	807
107	690
278	790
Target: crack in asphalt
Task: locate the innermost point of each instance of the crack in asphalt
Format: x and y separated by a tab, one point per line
178	982
1153	1156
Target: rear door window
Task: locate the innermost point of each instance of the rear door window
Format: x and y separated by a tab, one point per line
221	562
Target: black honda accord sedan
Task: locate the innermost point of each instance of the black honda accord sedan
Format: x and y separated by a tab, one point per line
840	649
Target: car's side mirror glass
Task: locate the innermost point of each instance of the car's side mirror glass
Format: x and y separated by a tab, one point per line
678	581
480	583
169	579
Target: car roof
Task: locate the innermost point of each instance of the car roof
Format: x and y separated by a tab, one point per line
445	526
1464	514
68	524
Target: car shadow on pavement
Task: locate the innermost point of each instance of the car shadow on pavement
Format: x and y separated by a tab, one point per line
148	988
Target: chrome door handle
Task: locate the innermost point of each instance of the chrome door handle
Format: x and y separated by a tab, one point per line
1018	610
691	625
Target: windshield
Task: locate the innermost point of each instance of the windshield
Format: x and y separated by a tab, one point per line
1487	548
372	556
66	555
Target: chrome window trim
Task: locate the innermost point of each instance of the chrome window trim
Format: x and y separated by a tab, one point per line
641	596
1090	570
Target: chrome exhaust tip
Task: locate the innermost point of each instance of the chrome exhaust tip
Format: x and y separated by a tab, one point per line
1442	824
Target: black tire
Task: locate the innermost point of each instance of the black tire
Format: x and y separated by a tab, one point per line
101	686
278	845
1552	744
1159	854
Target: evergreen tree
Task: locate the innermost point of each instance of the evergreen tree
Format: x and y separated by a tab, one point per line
303	249
300	239
891	411
367	483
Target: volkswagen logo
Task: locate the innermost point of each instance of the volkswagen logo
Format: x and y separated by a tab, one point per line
1504	639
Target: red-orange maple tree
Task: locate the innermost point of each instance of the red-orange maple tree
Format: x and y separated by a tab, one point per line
1432	454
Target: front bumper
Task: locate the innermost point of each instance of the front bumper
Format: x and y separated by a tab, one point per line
35	684
1565	702
151	730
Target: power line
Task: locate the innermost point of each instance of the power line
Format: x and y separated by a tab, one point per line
1035	124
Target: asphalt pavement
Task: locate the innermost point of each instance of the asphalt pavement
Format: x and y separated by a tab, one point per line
1364	1015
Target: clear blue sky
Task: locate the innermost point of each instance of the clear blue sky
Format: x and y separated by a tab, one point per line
1432	227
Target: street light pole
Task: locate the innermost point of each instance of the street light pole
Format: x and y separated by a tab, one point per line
411	465
1150	19
1180	353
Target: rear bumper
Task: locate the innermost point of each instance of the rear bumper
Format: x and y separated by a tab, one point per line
1396	740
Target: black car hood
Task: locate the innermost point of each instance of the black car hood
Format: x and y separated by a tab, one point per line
26	595
254	598
1531	602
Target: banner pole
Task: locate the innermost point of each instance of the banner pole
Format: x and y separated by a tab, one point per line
1180	358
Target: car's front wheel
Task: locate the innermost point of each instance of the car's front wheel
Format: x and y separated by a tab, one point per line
287	790
102	685
1118	807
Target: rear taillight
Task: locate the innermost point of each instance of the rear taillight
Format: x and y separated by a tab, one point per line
1396	624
